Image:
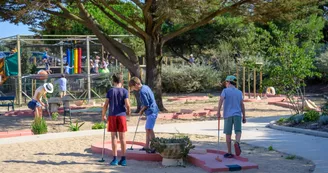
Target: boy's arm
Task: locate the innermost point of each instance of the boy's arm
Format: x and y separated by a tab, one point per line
145	103
219	106
104	109
127	105
243	111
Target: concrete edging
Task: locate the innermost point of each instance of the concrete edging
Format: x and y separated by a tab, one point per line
297	130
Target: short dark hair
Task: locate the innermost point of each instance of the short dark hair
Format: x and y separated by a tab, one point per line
62	75
117	78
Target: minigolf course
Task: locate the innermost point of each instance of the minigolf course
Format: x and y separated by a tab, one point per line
203	158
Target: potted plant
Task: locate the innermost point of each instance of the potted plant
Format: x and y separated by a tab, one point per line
173	150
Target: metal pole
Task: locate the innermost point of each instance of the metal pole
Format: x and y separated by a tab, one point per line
261	80
19	75
88	68
61	59
249	82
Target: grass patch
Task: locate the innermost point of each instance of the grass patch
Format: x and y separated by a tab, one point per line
270	148
291	157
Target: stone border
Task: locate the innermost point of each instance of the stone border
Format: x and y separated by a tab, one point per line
297	130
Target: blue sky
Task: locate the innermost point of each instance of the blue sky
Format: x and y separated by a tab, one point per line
7	29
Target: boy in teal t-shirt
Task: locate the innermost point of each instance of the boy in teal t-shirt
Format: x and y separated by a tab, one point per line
233	113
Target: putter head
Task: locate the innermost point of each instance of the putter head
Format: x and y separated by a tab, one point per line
218	159
102	160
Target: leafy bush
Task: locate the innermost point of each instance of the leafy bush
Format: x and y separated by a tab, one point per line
311	116
282	120
39	126
189	79
159	144
296	119
54	115
100	125
75	127
270	148
323	120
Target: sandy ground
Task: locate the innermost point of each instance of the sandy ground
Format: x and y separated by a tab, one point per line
74	155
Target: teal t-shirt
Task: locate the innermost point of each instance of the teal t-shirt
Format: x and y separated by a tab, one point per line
231	104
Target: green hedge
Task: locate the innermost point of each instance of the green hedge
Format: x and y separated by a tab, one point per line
187	79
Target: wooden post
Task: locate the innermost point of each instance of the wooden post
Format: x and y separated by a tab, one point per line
261	80
19	74
171	61
141	73
166	60
244	78
237	84
129	78
143	61
249	83
254	82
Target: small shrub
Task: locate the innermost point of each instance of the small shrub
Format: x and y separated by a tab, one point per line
160	144
210	95
100	125
282	120
270	148
291	157
187	79
296	119
54	116
39	126
311	116
75	127
323	120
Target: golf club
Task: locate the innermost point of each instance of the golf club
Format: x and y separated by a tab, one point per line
135	133
48	109
218	156
102	151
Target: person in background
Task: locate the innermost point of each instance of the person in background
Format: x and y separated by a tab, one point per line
67	68
191	59
62	82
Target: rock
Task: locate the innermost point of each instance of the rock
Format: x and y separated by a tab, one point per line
314	126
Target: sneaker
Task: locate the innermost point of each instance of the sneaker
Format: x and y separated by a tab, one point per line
114	162
237	149
151	151
228	155
122	162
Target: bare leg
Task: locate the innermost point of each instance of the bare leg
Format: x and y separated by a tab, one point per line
238	136
36	113
151	135
123	142
147	138
114	143
228	141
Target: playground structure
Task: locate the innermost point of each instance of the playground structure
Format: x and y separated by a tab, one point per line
74	46
258	67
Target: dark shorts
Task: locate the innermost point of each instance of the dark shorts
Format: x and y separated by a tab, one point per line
234	121
33	104
116	124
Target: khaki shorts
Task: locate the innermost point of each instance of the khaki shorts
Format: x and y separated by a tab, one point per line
232	121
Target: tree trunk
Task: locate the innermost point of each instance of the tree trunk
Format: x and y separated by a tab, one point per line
153	70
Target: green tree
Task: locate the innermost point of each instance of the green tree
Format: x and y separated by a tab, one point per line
292	55
145	21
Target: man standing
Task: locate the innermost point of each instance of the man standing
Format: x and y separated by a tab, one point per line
233	113
36	103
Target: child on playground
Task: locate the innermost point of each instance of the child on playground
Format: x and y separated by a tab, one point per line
119	106
233	113
36	103
62	82
67	68
149	107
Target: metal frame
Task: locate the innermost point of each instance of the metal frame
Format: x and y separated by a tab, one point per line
60	38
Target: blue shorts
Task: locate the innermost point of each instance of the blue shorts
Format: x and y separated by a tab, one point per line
150	122
33	104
